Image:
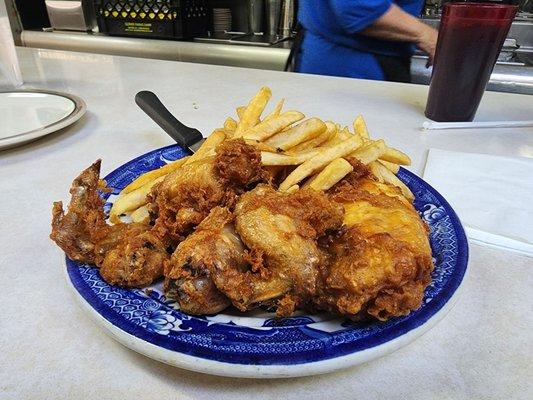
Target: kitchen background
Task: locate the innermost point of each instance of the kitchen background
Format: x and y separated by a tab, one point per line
244	33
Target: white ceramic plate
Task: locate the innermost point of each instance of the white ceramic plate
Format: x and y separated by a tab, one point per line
256	344
30	114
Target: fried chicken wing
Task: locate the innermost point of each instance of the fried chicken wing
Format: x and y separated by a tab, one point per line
188	274
239	165
187	195
128	255
74	231
381	261
137	259
280	233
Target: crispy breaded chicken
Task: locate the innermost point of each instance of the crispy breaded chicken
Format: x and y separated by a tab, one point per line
187	195
280	233
132	255
381	261
359	250
137	259
74	231
127	254
213	246
238	165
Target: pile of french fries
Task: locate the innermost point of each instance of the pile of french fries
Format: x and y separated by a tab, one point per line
312	151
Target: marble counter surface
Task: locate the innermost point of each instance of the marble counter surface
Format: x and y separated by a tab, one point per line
51	349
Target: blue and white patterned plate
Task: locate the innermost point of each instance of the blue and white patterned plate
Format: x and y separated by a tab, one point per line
256	344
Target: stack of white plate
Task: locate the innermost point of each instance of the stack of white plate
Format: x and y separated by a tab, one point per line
221	19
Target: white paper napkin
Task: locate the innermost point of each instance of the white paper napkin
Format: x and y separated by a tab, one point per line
492	195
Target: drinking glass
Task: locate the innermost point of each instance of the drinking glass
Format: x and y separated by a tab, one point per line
9	65
471	36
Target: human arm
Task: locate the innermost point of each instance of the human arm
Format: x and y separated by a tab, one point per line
384	20
398	25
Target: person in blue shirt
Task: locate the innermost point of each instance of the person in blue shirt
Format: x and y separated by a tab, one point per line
368	39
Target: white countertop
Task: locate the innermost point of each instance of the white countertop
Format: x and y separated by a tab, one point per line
51	349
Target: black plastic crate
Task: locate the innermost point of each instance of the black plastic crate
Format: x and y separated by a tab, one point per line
172	19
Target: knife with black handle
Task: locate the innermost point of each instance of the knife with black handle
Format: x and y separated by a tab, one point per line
186	137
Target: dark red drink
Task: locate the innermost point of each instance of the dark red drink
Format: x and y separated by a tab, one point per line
471	36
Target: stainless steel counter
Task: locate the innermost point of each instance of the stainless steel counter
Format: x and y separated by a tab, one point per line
272	58
507	77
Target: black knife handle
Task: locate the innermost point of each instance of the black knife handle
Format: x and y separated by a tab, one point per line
152	106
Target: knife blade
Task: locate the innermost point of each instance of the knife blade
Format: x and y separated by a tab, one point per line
185	136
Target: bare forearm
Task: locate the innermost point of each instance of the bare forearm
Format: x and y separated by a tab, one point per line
397	25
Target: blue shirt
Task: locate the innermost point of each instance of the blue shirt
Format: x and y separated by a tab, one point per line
333	45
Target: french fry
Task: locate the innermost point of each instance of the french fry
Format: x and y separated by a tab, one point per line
395	156
270	127
320	160
389	177
211	153
132	200
276	111
340	134
305	155
317	141
344	133
370	151
335	136
330	175
240	111
154	174
272	158
209	146
292	189
260	145
374	168
287	128
230	124
392	167
359	127
305	130
140	215
252	113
